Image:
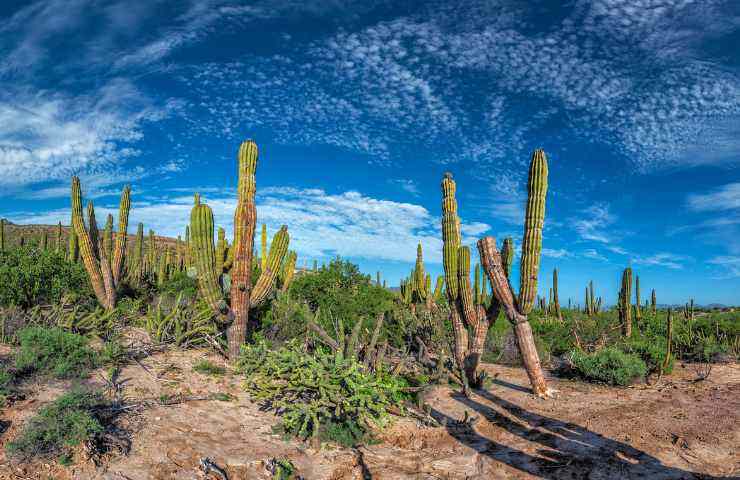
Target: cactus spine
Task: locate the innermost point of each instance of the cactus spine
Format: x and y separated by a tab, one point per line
98	266
625	297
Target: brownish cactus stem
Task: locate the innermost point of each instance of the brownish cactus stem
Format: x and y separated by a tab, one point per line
493	266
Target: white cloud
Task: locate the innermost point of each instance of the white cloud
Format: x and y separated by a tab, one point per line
726	197
556	253
667	260
729	265
592	225
46	136
593	254
407	185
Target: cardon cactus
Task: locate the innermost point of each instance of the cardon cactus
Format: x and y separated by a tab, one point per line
556	299
495	266
419	276
450	236
638	313
533	223
653	302
288	271
263	245
99	268
73	251
59	237
243	297
2	234
625	297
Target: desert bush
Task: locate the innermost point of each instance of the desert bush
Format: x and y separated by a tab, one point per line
185	324
68	421
609	365
285	318
54	351
30	276
652	351
180	284
340	290
207	367
319	395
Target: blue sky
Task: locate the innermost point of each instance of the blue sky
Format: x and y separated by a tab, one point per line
359	108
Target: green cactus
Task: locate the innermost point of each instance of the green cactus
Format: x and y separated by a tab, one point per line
92	225
220	251
507	255
107	239
419	276
203	253
263	250
2	234
625	308
556	299
439	288
288	270
638	314
533	223
450	236
59	237
653	302
476	285
73	251
377	278
151	252
98	266
44	240
136	269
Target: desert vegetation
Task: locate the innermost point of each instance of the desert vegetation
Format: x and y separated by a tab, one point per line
334	354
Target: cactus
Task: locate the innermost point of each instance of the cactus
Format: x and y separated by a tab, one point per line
92	225
59	237
669	341
476	285
220	251
653	302
203	252
688	311
162	269
73	251
136	263
556	299
151	252
107	239
495	265
638	313
625	308
288	270
315	266
2	234
98	267
263	250
44	240
419	276
439	288
377	278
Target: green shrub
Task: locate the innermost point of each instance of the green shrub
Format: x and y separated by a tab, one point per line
651	350
319	395
63	424
209	368
30	276
180	283
54	351
608	365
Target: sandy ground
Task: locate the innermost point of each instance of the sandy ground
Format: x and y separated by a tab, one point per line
678	429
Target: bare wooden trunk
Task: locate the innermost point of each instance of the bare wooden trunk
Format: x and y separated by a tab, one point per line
530	358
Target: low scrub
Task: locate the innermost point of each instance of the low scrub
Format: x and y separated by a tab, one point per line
31	276
609	365
319	395
54	351
57	428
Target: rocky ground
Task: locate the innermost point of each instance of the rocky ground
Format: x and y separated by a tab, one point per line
678	428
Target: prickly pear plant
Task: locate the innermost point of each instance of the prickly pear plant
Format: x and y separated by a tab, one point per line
104	275
625	297
494	264
235	313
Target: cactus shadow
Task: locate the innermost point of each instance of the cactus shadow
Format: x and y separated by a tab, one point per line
561	449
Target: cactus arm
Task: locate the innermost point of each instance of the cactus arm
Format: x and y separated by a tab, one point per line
122	236
464	291
266	280
90	260
533	223
106	247
450	236
263	247
556	298
220	251
288	271
245	218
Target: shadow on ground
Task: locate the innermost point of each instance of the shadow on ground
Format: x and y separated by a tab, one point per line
559	449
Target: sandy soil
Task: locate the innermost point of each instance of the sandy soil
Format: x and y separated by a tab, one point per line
679	429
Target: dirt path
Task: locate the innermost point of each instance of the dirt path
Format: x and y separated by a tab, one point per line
682	429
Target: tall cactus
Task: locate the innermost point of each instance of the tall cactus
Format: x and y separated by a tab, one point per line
653	302
419	276
107	240
638	314
495	267
625	298
533	223
73	252
2	234
44	240
556	299
97	264
203	253
288	271
58	246
263	245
